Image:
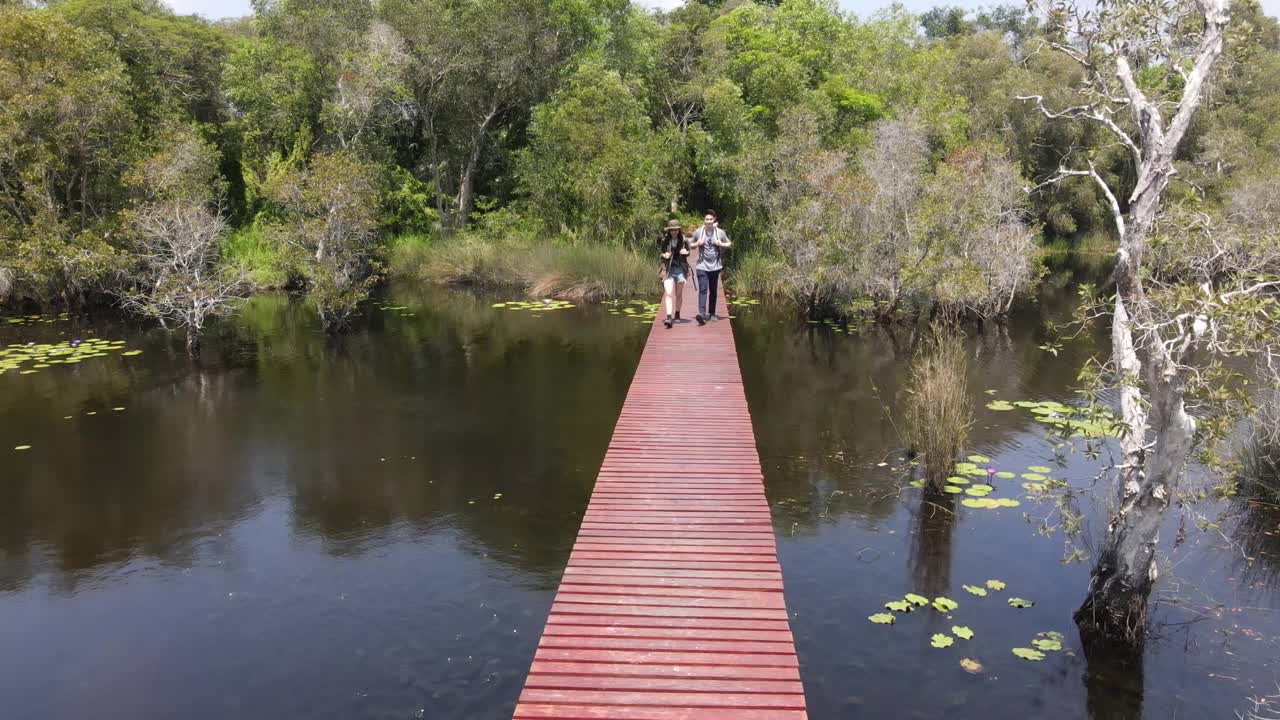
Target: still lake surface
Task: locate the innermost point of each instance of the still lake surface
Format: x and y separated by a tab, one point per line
374	526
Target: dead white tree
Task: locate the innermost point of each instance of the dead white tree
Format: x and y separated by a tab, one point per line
1152	350
177	227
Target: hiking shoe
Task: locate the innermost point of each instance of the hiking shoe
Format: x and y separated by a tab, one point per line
701	320
668	323
677	316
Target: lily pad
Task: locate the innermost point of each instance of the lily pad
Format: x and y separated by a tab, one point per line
944	604
899	606
131	353
882	619
1005	475
22	447
918	600
980	503
942	641
1034	477
995	584
979	459
1034	487
1020	603
1006	502
999	406
1039	469
957	480
952	489
1047	645
1028	654
962	632
975	590
971	666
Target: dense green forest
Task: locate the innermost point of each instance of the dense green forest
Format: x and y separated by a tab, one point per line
878	164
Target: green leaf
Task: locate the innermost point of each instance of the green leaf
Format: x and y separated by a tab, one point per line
1006	502
1034	487
942	641
1005	475
1028	654
882	619
1034	477
1047	645
999	406
919	600
979	459
952	489
995	584
980	503
975	590
1039	469
957	480
962	632
898	605
1020	603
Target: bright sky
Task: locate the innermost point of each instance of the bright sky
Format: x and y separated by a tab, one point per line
214	9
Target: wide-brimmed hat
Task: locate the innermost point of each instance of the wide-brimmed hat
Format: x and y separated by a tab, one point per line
674	225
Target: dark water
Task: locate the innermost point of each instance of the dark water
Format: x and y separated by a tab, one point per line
374	527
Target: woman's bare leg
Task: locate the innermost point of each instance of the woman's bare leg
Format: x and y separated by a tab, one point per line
668	293
678	291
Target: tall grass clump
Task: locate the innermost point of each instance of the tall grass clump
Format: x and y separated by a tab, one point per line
566	271
1260	456
760	275
260	258
939	412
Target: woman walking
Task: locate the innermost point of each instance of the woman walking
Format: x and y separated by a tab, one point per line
709	239
673	249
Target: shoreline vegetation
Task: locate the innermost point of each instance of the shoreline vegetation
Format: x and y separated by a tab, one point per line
891	165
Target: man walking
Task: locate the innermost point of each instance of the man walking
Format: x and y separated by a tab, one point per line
710	240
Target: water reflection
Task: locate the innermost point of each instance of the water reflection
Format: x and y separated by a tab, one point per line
299	525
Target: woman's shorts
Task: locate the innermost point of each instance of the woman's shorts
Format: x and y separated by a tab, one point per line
676	274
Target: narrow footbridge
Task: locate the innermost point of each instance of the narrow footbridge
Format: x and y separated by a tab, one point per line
671	606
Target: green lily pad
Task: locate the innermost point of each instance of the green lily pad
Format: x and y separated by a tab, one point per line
978	491
944	604
979	459
1034	477
1005	475
999	406
899	606
918	600
964	467
962	632
980	472
942	641
1028	654
131	353
1020	603
1039	469
957	480
980	503
1034	487
22	447
882	619
1047	645
1006	502
952	489
975	590
995	584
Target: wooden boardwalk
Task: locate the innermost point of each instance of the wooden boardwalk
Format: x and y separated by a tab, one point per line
671	606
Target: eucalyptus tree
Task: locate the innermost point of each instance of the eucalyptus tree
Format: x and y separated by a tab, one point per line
1146	68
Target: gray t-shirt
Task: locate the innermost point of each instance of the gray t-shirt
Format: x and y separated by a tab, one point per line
709	254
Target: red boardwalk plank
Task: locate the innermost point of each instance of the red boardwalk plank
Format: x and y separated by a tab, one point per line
671	607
